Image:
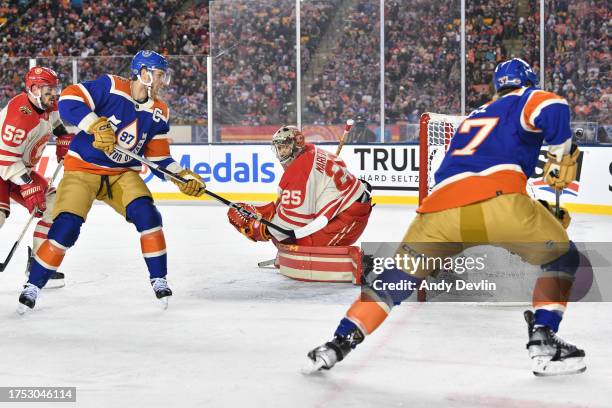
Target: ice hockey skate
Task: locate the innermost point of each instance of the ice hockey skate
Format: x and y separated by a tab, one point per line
550	354
162	290
327	355
28	297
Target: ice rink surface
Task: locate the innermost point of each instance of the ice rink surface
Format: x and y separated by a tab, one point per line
237	335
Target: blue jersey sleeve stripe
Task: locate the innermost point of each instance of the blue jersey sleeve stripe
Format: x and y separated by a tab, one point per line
536	113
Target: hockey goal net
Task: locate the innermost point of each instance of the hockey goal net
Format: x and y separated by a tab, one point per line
516	278
435	133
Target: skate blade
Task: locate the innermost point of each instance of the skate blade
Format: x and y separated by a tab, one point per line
312	367
547	368
164	302
55	284
22	309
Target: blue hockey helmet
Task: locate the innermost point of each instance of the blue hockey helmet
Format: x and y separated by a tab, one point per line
514	73
151	61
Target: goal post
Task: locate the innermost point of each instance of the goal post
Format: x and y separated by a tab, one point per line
435	133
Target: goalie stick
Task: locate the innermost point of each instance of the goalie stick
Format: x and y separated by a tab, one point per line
347	129
4	264
268	262
225	201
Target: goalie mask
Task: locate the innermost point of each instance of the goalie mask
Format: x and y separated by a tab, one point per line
287	143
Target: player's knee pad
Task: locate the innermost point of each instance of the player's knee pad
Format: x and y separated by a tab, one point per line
392	286
567	263
65	229
143	213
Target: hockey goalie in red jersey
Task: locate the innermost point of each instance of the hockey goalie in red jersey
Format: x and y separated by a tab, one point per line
318	198
27	123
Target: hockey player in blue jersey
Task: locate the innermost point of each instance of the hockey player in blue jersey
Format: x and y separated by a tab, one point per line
113	110
480	197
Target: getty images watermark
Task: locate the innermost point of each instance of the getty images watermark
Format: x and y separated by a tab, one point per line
411	264
484	272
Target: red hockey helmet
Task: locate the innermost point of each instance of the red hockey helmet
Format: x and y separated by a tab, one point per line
41	76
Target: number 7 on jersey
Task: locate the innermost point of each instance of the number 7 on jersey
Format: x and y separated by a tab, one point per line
486	126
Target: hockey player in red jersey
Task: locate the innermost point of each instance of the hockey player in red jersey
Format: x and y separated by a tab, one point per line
480	197
318	197
26	125
110	111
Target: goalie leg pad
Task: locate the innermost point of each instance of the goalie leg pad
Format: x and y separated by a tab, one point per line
320	264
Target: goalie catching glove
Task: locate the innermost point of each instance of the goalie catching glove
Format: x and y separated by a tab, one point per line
194	186
558	174
564	216
252	228
104	135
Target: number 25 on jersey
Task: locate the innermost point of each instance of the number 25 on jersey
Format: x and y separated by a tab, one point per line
291	197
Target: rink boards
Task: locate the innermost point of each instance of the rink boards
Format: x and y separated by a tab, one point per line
243	172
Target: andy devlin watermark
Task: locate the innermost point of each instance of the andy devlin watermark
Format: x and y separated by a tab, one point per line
500	272
411	264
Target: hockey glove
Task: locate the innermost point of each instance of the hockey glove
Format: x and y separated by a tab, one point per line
252	228
564	216
195	187
34	198
62	143
559	174
104	135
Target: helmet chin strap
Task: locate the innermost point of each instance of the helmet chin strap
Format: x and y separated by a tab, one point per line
37	99
148	85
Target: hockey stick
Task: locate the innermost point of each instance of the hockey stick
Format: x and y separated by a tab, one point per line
230	204
578	133
269	262
347	129
4	264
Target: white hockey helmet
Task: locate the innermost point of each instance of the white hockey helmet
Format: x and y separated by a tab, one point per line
287	143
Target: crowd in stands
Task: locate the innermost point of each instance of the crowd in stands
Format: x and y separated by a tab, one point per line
348	83
254	53
422	61
422	66
487	25
578	57
102	36
254	61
